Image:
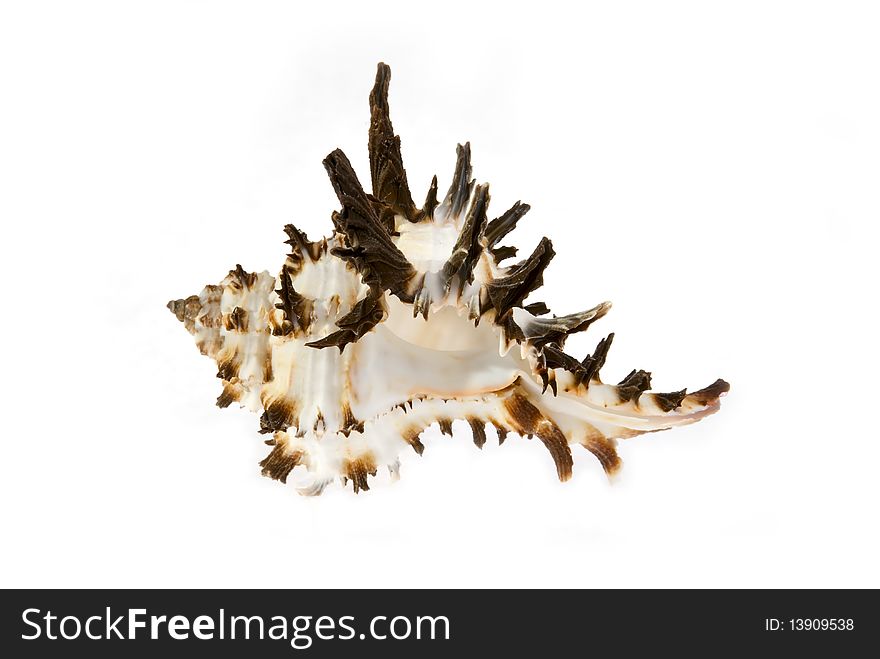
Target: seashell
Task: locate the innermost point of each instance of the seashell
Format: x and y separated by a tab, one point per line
405	317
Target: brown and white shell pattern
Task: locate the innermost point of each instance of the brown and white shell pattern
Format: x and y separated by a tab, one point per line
406	317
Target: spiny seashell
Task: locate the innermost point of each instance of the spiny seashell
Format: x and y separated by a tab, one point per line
405	317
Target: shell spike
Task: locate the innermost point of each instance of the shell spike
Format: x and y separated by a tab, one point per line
297	308
467	249
510	291
368	241
634	385
557	329
592	363
387	174
367	312
461	187
301	245
430	201
501	226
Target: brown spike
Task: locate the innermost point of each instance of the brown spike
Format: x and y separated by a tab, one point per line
422	300
633	385
227	367
527	419
554	357
501	253
604	449
670	401
386	163
462	184
445	426
430	201
280	461
349	421
278	415
548	377
478	428
243	279
558	328
368	241
467	249
302	247
509	291
358	470
501	226
297	308
710	394
537	308
500	430
364	316
231	393
412	437
593	363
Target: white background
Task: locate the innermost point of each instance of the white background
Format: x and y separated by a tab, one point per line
711	168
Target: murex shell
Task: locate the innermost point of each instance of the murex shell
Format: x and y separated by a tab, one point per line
405	317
